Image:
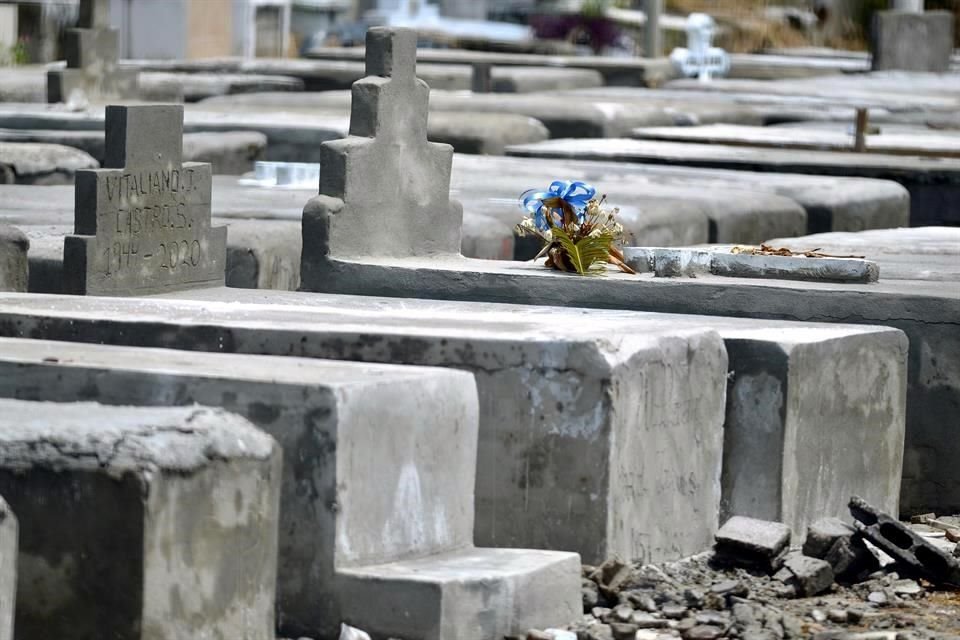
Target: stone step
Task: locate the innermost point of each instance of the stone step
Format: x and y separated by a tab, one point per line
475	594
138	523
379	468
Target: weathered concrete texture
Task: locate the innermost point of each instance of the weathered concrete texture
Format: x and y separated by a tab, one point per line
142	224
141	523
584	426
722	260
812	420
927	313
565	114
615	70
733	213
752	542
270	232
936	144
933	183
227	152
353	494
294	132
261	254
830	203
9	546
14	268
912	41
194	87
32	163
484	133
230	152
436	599
626	71
323	75
919	253
891	91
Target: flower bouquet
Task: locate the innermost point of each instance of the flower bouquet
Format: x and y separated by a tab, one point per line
578	234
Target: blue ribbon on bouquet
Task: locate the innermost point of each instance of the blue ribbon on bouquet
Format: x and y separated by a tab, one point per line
576	194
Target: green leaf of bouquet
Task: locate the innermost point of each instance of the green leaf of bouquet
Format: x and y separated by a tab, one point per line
588	255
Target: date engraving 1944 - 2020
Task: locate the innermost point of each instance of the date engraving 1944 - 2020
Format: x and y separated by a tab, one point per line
152	220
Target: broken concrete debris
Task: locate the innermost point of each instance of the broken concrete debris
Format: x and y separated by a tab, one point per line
735	592
914	555
752	542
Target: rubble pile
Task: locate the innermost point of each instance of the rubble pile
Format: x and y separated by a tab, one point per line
876	580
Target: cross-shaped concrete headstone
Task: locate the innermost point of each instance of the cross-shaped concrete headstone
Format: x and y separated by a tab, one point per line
143	221
385	190
91	52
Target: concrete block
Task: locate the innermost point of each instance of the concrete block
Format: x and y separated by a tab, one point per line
438	599
912	41
9	545
367	514
585	426
750	542
823	534
140	523
811	576
808	421
13	259
917	557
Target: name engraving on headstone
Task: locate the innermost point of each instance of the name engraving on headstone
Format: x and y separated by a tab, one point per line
144	229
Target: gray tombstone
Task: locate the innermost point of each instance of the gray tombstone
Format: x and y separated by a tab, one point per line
92	72
910	41
142	223
384	189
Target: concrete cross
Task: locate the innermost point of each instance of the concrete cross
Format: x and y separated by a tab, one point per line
385	190
143	221
91	52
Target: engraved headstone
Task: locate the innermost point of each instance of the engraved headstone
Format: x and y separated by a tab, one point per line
92	72
384	189
142	223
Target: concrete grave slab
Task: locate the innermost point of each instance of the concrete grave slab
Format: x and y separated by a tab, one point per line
830	203
9	546
572	445
939	144
230	152
912	41
912	92
512	503
140	523
142	223
325	75
42	164
366	513
293	134
14	270
616	71
565	114
918	253
932	182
